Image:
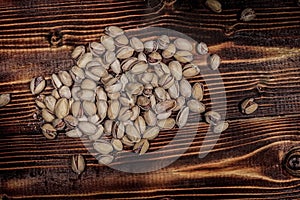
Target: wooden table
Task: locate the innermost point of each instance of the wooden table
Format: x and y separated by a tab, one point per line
260	59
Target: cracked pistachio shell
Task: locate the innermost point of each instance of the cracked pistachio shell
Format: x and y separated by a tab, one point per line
212	117
78	164
49	131
37	85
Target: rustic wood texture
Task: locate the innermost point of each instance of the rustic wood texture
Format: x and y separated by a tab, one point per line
260	58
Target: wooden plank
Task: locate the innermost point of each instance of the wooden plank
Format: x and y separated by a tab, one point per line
247	164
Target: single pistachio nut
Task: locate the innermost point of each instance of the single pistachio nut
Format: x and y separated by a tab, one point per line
87	95
65	78
116	66
169	51
74	133
140	124
163	42
98	134
190	70
183	56
197	91
84	59
183	44
101	94
49	131
118	129
141	147
47	115
132	133
214	61
103	147
65	92
220	127
143	102
150	46
77	164
76	109
124	52
202	48
248	106
247	15
113	31
121	41
150	118
176	70
39	101
165	106
58	124
37	85
77	74
212	117
196	106
108	42
214	5
62	108
185	88
136	44
88	84
126	141
163	115
108	126
151	133
182	117
87	128
70	121
56	81
50	102
55	94
154	58
4	99
117	144
113	109
180	102
78	52
89	108
166	124
96	48
124	114
102	108
105	159
139	68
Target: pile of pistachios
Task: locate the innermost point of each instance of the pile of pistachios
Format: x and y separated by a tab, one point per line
121	92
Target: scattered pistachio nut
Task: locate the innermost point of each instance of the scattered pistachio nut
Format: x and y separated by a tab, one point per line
248	106
78	164
4	99
247	15
214	5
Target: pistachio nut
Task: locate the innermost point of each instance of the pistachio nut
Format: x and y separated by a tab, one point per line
37	85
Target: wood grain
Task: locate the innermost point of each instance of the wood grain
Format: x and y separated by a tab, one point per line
259	59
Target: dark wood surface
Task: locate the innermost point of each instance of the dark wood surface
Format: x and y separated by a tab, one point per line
260	58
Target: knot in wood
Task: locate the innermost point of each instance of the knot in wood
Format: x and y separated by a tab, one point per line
291	162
